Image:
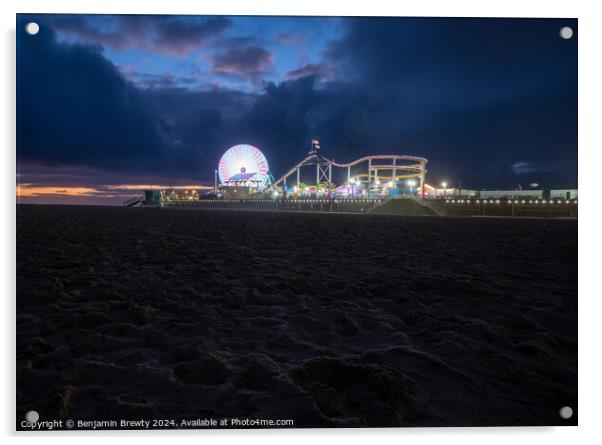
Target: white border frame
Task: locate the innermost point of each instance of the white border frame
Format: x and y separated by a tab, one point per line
590	149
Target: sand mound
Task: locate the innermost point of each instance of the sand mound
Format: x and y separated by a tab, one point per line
366	393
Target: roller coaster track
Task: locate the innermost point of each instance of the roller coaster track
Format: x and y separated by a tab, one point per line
417	169
420	161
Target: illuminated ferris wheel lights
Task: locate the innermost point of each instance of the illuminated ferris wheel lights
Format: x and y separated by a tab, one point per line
243	161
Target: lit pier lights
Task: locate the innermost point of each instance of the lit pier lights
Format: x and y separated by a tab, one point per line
352	183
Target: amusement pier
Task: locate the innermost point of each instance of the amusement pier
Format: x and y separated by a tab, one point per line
377	184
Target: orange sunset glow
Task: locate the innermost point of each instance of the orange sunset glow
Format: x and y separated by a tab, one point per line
35	191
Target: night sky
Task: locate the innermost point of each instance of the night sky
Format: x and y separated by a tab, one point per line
110	104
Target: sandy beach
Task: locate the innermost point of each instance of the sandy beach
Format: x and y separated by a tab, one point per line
330	320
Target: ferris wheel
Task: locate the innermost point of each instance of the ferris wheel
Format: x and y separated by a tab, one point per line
244	161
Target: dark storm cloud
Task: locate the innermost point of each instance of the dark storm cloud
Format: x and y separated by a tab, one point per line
75	107
278	120
472	95
459	51
170	35
248	62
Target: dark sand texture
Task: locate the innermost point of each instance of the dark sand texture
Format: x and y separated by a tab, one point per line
329	320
